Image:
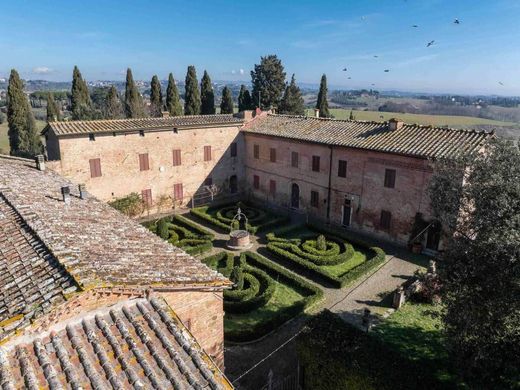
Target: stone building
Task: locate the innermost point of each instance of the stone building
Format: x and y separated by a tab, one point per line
367	176
91	299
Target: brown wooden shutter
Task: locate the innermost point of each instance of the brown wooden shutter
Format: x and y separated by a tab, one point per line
144	163
272	155
315	197
386	217
316	163
207	153
342	168
256	182
256	151
294	159
272	187
147	197
177	191
390	178
233	149
177	160
95	167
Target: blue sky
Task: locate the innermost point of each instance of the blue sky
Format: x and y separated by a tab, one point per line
45	39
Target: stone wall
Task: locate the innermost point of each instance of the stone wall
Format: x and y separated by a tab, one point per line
363	184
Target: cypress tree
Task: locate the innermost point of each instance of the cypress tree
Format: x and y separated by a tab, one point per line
81	105
192	94
24	139
53	112
112	108
292	101
134	107
268	80
156	99
173	104
226	105
351	116
322	104
207	96
244	99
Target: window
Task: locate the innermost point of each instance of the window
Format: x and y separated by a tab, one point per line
256	151
294	159
141	133
207	153
256	182
177	160
233	149
315	198
95	167
147	197
386	216
272	155
177	191
144	163
91	137
175	130
342	168
272	187
208	181
390	178
316	163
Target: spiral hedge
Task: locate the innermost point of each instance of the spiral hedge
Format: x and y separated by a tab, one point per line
184	234
222	217
303	256
259	275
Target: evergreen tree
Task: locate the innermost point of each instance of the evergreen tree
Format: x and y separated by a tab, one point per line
173	104
81	105
156	99
134	107
244	99
192	94
24	139
351	116
322	104
112	108
53	112
268	80
292	101
226	105
207	96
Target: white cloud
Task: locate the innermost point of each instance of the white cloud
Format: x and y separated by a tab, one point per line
42	70
241	71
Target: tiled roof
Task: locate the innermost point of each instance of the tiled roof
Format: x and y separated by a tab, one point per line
94	242
129	125
137	344
31	278
412	140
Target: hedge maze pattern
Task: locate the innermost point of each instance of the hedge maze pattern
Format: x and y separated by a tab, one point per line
184	234
255	279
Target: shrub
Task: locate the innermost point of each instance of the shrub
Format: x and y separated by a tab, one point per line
321	243
163	228
267	288
132	205
223	262
237	277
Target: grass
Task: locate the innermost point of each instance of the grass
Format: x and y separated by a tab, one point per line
341	269
415	330
422	119
283	297
4	139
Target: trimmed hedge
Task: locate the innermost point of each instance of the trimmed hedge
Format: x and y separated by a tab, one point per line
307	265
215	261
247	304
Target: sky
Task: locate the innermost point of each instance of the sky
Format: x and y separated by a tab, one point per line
45	39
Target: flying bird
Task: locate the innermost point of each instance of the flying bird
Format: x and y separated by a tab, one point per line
501	83
373	84
344	69
430	43
456	21
376	56
415	26
387	70
349	77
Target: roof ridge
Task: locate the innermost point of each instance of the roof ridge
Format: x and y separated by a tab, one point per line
158	119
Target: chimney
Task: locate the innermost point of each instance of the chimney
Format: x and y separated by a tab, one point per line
316	112
165	114
40	162
395	124
246	115
65	193
82	191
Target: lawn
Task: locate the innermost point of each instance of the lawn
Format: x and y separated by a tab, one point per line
4	140
421	119
415	330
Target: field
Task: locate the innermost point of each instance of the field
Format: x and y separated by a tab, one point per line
4	140
422	119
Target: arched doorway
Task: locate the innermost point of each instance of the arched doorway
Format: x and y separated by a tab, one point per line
233	184
295	196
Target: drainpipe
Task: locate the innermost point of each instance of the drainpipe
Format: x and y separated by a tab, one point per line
330	181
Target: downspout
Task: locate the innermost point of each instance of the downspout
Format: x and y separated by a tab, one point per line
330	182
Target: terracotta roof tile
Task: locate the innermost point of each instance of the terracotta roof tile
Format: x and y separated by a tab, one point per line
134	344
413	140
128	125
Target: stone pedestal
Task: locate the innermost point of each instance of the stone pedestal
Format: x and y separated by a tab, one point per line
239	240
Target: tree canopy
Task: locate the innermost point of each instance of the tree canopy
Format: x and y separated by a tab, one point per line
292	101
112	108
134	107
24	139
81	104
173	104
268	79
244	99
53	112
322	104
226	105
156	98
207	96
192	94
480	266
